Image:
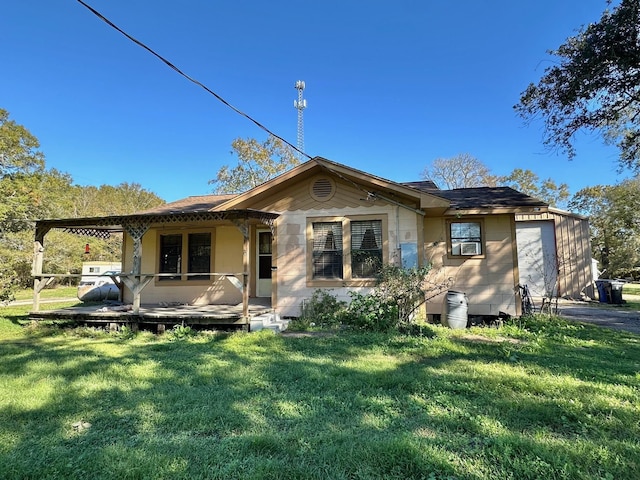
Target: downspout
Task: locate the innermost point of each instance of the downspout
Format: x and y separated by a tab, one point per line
398	250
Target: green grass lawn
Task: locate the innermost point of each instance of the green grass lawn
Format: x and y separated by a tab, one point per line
57	292
631	288
631	295
547	400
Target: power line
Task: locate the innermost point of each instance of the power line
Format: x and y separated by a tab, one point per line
191	79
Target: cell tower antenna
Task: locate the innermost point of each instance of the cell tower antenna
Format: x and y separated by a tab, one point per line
300	104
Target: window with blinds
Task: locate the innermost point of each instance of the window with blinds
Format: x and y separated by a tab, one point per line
327	250
366	248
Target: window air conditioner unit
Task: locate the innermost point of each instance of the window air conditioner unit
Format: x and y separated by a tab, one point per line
470	248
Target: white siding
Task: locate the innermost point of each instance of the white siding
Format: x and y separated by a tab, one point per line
537	261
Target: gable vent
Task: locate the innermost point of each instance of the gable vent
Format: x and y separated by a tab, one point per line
322	189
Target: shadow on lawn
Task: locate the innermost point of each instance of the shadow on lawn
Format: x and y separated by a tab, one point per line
262	406
15	317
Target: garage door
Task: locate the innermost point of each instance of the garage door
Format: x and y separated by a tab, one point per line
537	262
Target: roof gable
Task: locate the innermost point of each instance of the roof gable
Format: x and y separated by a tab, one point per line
370	186
289	191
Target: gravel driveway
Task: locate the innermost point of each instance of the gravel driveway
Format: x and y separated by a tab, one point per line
617	318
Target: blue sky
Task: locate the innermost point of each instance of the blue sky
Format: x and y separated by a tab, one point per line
391	85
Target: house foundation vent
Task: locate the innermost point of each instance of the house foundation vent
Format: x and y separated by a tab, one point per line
322	189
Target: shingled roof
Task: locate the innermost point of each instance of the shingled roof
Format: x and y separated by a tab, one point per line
424	185
193	204
480	197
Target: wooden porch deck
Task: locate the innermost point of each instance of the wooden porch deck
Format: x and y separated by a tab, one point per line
160	316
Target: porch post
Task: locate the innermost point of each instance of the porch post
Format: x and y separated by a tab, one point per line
36	269
243	226
136	232
245	272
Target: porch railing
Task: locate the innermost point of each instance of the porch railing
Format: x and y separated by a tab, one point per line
136	282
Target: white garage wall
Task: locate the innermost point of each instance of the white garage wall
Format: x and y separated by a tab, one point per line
537	261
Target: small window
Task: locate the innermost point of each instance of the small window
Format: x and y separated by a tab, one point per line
466	238
327	250
366	248
199	255
170	256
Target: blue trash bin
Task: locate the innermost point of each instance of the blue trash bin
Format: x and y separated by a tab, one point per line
602	291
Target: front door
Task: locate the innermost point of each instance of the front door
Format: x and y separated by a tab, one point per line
263	263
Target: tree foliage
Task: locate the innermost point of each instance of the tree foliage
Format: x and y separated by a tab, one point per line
466	171
595	86
122	199
18	148
257	163
528	182
460	171
29	191
614	219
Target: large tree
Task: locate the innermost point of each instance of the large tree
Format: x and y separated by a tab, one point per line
466	171
122	199
21	175
594	87
18	148
614	218
29	191
460	171
528	182
257	163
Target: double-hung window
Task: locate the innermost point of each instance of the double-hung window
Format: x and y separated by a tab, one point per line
345	249
327	250
366	248
465	238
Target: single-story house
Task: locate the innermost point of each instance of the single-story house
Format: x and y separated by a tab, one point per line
326	225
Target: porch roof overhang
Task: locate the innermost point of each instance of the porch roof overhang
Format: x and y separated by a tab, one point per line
103	227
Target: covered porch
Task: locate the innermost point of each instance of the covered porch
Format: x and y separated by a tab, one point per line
182	283
162	317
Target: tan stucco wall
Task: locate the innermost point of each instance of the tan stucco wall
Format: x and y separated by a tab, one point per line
488	280
291	250
227	258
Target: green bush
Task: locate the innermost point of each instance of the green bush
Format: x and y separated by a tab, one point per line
181	332
321	310
406	288
391	304
370	312
632	273
126	333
